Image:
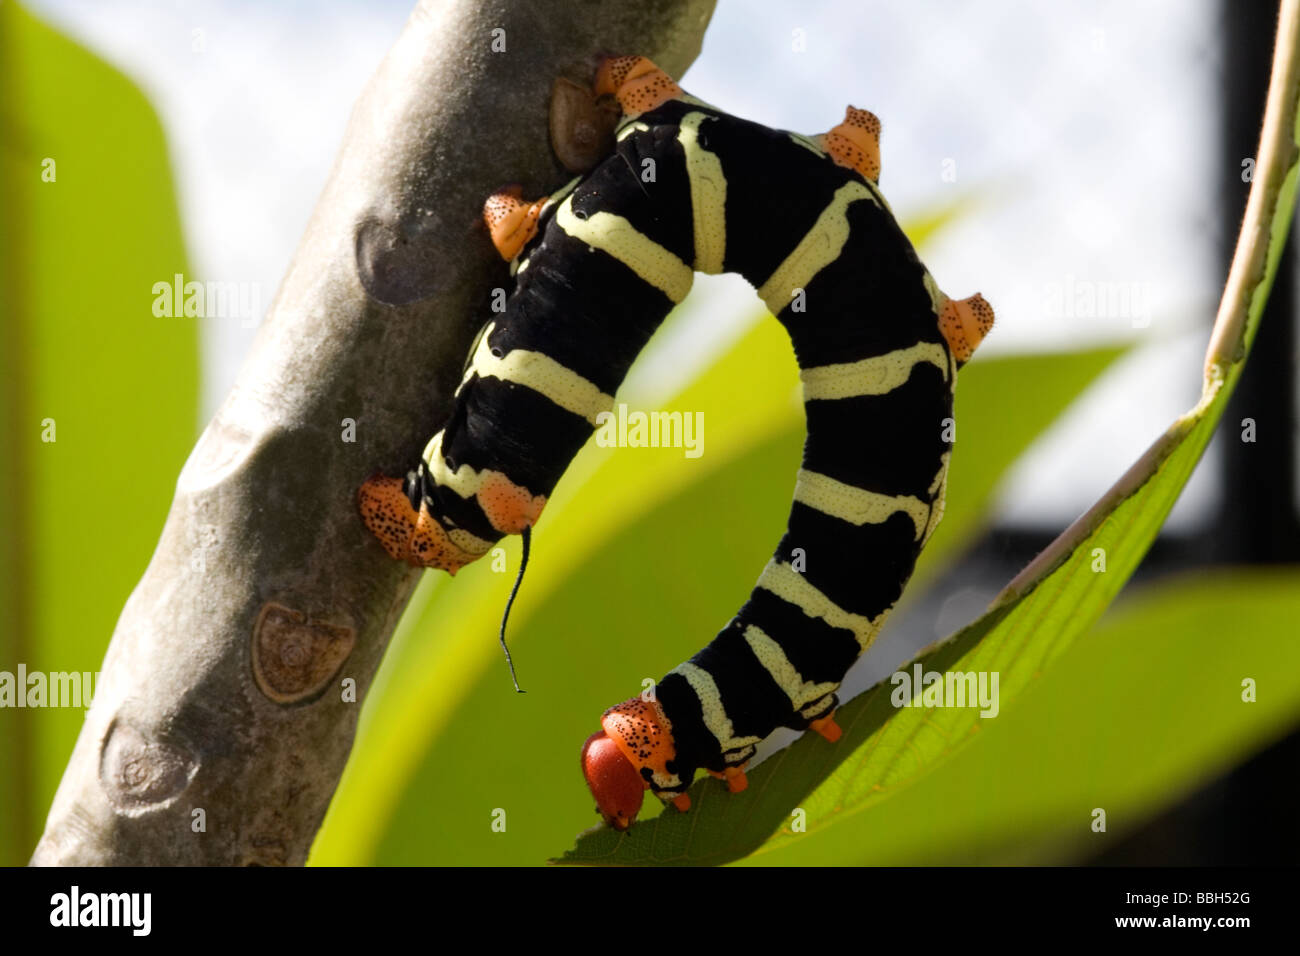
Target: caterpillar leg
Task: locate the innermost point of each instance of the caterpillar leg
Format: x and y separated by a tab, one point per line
406	534
636	83
511	220
827	727
855	143
735	777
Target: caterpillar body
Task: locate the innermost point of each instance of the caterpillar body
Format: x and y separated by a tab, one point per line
598	266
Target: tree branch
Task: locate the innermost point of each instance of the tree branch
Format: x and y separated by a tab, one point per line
222	690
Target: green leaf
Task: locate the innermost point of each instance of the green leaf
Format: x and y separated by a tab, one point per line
1036	619
996	426
1142	711
1147	708
80	345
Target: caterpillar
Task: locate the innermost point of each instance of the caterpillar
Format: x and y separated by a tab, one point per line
597	266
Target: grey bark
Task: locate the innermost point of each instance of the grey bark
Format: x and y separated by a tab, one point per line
223	689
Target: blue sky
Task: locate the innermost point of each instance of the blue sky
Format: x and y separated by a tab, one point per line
1080	126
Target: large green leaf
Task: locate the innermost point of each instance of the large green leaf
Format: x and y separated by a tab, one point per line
80	346
1146	708
1057	598
642	555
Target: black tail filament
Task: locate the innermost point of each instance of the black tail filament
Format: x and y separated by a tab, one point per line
523	565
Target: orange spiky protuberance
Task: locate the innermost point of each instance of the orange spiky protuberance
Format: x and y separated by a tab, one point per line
511	220
964	323
407	535
635	744
855	143
637	84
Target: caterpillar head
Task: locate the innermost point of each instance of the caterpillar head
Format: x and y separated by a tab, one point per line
613	781
634	752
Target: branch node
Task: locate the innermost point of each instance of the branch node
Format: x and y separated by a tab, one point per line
294	658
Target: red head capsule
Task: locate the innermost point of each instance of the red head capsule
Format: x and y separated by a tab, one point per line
614	782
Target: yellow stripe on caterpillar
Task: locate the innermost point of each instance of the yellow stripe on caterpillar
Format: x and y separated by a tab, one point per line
791	586
857	505
471	543
464	480
818	709
708	196
560	194
628	128
508	507
774	660
821	246
715	715
876	375
617	237
690	100
939	490
542	374
808	143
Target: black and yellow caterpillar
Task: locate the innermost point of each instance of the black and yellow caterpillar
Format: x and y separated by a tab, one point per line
598	266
